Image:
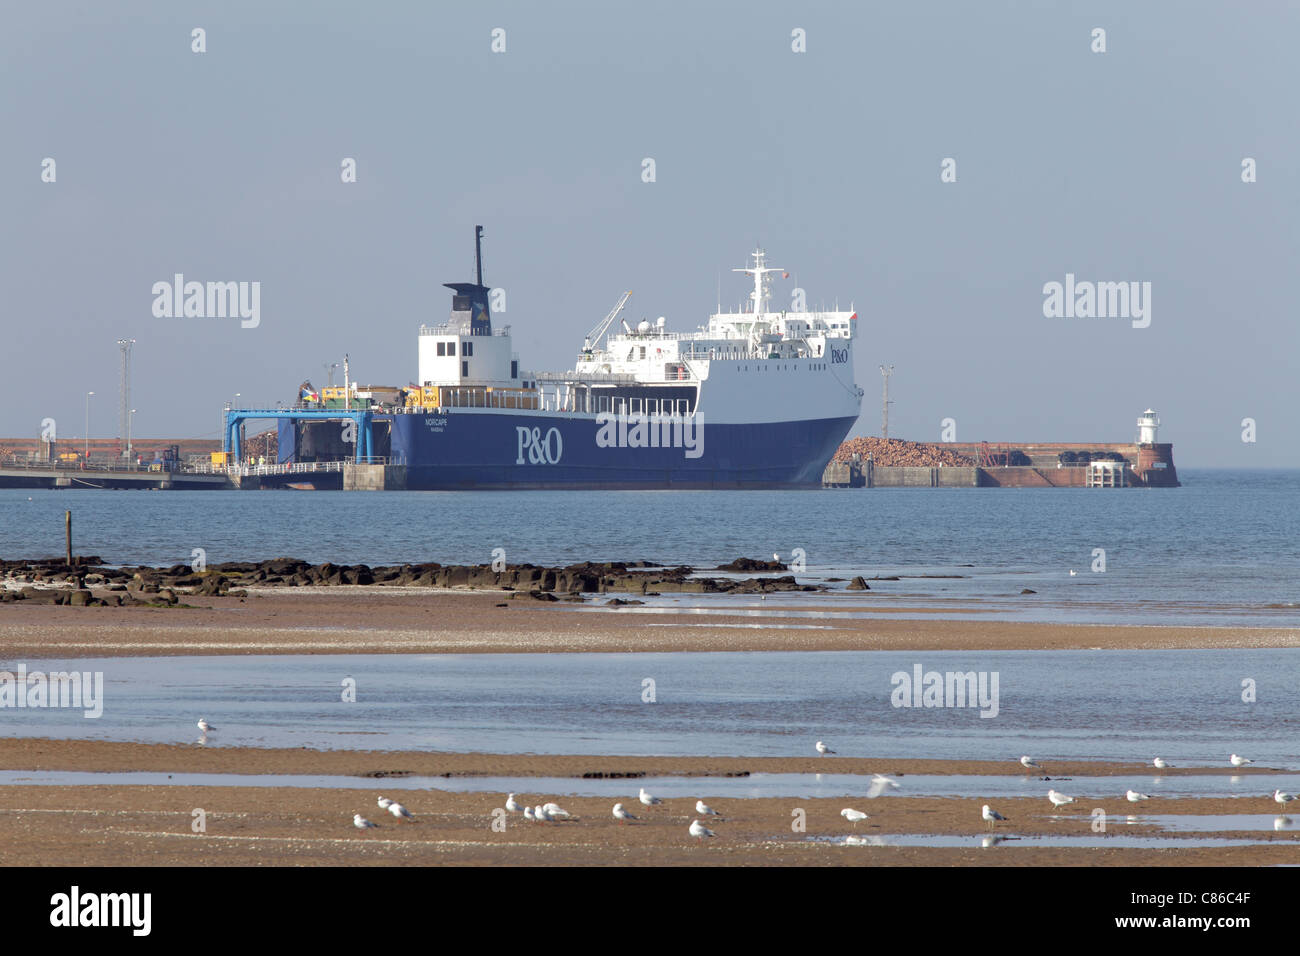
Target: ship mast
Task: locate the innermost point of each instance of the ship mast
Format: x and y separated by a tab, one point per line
478	253
762	283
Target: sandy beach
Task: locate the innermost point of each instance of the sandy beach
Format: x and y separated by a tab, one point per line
118	823
252	825
387	620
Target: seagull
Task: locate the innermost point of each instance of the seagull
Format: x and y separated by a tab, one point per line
776	557
648	800
540	815
704	810
1283	798
700	831
384	803
1160	763
879	784
555	811
399	811
1028	762
1239	761
620	814
1134	797
361	823
1073	572
1058	799
991	815
823	749
204	726
528	814
853	816
510	804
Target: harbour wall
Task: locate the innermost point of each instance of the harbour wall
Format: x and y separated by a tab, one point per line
1147	465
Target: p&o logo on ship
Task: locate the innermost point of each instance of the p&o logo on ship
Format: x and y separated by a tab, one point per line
539	450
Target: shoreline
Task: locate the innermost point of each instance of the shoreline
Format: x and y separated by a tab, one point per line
384	620
102	756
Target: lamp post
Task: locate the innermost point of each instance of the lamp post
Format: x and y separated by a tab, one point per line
88	394
130	421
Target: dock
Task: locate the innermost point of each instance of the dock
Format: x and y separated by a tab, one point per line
53	475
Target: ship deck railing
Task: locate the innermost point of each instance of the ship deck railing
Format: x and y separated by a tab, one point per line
575	402
585	378
459	328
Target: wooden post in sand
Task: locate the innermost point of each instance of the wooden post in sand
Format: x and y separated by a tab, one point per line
67	533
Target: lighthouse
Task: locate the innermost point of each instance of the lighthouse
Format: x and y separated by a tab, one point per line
1147	426
1155	462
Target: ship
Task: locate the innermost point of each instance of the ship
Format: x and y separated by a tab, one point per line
757	398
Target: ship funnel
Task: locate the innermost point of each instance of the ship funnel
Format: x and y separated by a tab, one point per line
472	297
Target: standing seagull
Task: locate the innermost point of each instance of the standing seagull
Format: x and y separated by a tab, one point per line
1029	763
541	816
1058	799
1160	763
853	816
648	800
991	815
1134	797
555	811
399	811
204	726
528	814
361	823
384	803
700	831
1239	761
1283	798
622	815
704	810
823	749
511	805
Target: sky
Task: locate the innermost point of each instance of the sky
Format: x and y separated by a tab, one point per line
226	165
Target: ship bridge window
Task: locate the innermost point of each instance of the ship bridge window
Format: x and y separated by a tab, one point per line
468	349
442	348
451	348
514	368
464	369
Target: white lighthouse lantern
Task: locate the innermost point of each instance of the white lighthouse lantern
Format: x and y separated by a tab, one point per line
1147	426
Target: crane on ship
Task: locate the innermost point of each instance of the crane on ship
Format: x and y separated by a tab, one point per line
594	336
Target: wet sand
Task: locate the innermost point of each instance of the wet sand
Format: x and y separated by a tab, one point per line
131	825
372	620
22	753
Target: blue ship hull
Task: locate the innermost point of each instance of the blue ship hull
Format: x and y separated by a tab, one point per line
446	450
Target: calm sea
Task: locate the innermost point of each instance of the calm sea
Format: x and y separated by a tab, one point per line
1225	548
1185	706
